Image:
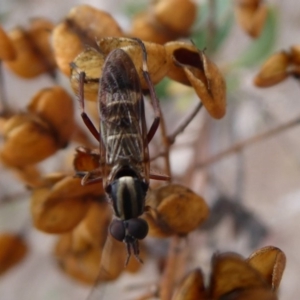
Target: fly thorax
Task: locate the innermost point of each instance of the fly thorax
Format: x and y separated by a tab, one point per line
128	196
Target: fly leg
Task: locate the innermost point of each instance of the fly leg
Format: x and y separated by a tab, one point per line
90	177
153	96
87	121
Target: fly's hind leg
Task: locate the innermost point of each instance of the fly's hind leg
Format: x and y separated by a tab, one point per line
154	99
86	119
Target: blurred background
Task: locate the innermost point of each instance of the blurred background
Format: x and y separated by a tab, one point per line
254	194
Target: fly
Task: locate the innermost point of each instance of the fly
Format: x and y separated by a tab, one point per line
123	144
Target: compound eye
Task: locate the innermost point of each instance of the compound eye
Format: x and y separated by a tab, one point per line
138	228
117	230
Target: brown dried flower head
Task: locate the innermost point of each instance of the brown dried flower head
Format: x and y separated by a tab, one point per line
30	175
165	20
55	106
295	54
12	251
251	16
190	66
7	49
91	62
33	136
274	70
92	230
177	16
191	287
83	267
34	54
147	29
27	140
235	278
83	26
174	209
60	204
270	262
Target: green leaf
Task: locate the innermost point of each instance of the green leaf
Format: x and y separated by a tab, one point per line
133	7
162	88
261	48
223	22
222	32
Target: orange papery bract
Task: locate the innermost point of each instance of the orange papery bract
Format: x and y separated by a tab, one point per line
251	16
190	66
13	249
34	55
174	209
274	70
59	206
7	49
83	26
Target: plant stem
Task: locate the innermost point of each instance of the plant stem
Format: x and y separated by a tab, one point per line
4	110
185	123
170	274
255	139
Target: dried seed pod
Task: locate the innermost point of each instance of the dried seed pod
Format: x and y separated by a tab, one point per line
30	175
90	61
62	38
60	207
257	293
34	53
295	54
82	27
55	106
92	23
92	230
192	287
156	56
175	210
270	262
28	140
12	251
63	245
231	273
39	32
176	15
274	70
83	267
86	159
7	49
113	258
190	66
251	16
144	27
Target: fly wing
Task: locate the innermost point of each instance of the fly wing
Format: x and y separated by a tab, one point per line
121	109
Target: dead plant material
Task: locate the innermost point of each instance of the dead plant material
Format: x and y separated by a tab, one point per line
190	66
174	209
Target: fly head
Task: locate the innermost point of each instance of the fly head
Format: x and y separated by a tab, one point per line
129	232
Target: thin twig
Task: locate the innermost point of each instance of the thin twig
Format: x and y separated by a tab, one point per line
185	123
4	109
241	145
166	153
169	276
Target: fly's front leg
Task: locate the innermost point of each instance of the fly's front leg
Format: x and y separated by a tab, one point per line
86	119
153	96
